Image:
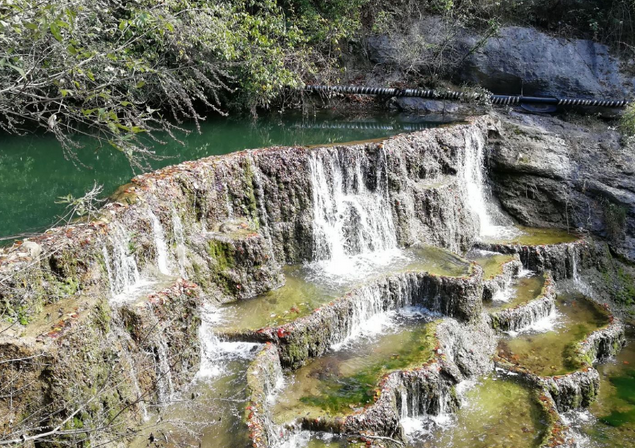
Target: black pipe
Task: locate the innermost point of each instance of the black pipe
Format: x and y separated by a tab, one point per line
465	96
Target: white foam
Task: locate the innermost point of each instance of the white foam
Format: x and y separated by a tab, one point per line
524	273
126	284
548	323
504	295
353	226
372	327
298	439
464	386
277	388
348	270
216	354
160	244
415	426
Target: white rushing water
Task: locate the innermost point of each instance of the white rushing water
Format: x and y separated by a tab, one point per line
165	384
478	195
373	326
125	355
160	244
121	266
216	354
353	228
578	282
179	243
505	294
417	426
548	323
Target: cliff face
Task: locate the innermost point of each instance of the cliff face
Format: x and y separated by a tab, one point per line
550	173
515	60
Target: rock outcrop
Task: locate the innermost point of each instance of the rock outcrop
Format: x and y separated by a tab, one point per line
229	223
516	60
95	363
550	173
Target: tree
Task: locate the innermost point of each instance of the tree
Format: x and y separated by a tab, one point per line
129	72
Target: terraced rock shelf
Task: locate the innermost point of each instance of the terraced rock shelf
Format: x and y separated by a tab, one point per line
343	295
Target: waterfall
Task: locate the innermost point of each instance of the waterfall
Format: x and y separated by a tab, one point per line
125	336
179	243
216	354
123	273
372	310
352	218
578	282
478	195
420	411
263	215
474	176
540	317
160	244
165	385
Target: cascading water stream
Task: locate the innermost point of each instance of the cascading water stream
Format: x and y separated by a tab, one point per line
160	244
215	354
179	243
478	196
353	228
121	266
263	216
125	336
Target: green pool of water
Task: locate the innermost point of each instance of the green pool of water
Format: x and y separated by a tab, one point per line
491	262
34	172
551	353
523	290
533	236
496	413
305	291
344	380
615	406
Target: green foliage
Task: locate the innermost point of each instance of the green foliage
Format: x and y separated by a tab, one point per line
620	280
129	72
608	21
122	71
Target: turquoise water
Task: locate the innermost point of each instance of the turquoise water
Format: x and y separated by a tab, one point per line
34	172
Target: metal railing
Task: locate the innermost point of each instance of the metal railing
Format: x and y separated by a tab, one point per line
465	96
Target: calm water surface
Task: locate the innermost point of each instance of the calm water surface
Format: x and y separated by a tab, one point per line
34	172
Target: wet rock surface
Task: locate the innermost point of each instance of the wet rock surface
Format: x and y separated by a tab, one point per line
522	316
562	261
508	271
313	335
550	173
97	362
229	224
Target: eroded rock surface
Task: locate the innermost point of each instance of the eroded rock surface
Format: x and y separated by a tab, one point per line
516	60
550	173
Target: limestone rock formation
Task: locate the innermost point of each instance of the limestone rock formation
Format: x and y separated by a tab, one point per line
516	60
550	173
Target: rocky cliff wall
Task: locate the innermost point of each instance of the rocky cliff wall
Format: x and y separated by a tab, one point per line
515	60
550	173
